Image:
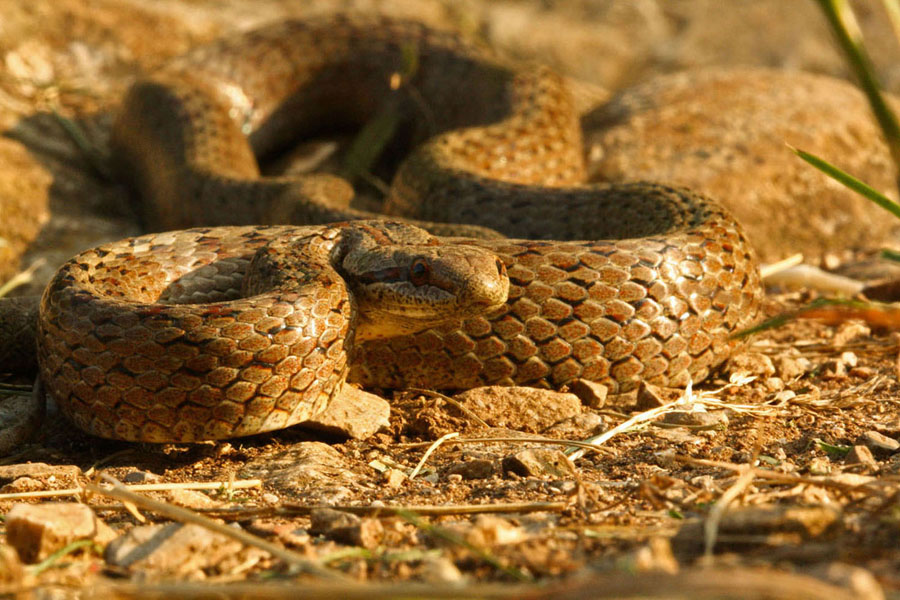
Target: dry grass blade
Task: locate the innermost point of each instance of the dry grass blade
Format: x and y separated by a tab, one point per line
434	446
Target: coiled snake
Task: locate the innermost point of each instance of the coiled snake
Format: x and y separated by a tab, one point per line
152	338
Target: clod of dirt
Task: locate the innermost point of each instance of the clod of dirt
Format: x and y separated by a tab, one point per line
38	530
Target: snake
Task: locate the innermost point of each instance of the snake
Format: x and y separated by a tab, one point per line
265	295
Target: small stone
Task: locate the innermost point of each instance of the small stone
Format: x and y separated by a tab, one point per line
862	372
141	477
774	384
754	363
790	367
696	418
353	413
539	462
878	443
785	395
394	478
270	498
850	331
860	455
520	408
454	478
849	359
591	393
834	368
479	468
38	530
651	396
190	498
819	466
346	528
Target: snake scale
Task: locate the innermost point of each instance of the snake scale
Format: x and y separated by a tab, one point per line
201	334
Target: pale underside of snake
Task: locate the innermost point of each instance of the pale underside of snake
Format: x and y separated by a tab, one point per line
196	334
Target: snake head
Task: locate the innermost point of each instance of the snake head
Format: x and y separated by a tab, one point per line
405	280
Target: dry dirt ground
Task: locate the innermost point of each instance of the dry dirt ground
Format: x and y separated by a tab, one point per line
783	486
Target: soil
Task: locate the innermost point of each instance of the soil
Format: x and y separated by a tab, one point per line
780	486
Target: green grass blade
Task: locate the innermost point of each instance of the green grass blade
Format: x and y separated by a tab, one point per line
846	31
850	181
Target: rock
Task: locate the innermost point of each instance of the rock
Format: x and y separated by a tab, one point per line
591	393
753	363
38	530
175	550
790	367
353	413
819	465
479	468
394	478
860	455
346	528
878	443
651	396
520	408
696	418
721	131
65	474
539	462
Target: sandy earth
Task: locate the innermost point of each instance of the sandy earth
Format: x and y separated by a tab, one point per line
815	511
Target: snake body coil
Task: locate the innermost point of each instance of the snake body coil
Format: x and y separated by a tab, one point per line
654	295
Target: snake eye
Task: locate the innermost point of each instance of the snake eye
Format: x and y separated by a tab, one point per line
501	268
418	272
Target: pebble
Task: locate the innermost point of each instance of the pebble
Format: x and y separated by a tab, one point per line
38	530
860	455
591	393
346	528
878	443
141	477
696	418
539	462
478	468
790	367
651	396
754	363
